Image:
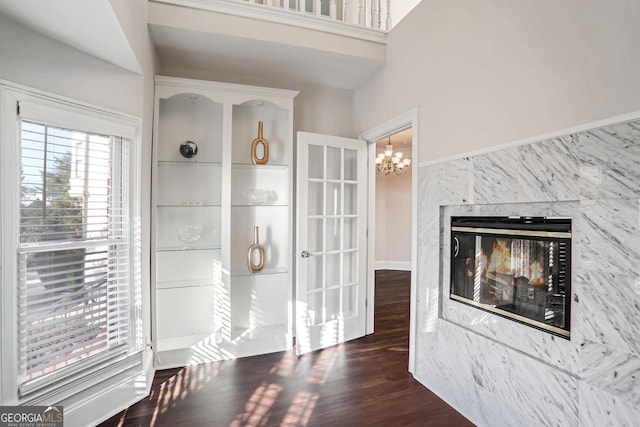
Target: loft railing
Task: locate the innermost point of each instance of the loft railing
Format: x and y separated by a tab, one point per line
365	14
374	14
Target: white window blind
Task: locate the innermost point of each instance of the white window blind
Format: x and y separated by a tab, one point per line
74	290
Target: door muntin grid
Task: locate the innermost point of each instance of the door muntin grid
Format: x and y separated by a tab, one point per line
332	271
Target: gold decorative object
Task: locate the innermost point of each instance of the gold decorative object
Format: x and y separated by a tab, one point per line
255	247
265	148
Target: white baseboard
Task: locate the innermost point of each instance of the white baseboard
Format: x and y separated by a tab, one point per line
392	265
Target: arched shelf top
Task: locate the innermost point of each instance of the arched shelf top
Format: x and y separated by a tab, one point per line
260	103
192	98
224	92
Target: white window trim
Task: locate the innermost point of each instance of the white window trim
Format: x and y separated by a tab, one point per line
126	372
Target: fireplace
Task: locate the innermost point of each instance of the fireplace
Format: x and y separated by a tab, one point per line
515	267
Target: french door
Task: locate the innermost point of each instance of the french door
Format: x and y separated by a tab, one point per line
331	240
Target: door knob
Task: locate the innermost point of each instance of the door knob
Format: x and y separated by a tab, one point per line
305	254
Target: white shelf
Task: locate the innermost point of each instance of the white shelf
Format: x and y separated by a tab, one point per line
259	333
266	271
188	163
193	288
184	284
183	249
259	205
185	341
190	205
267	167
266	339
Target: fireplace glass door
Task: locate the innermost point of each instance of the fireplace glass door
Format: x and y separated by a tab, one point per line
516	267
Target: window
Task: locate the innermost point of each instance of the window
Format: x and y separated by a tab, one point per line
75	290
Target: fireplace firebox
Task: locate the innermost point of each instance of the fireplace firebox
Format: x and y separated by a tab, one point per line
515	267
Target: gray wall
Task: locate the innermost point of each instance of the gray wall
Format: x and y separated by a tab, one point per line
497	71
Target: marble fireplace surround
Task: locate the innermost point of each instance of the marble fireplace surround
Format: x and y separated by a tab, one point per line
465	315
498	372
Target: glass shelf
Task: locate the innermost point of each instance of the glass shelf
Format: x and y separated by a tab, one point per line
185	284
187	163
257	205
332	181
268	166
189	205
266	271
183	249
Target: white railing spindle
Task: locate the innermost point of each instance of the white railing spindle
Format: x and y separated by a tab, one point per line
374	12
388	15
347	12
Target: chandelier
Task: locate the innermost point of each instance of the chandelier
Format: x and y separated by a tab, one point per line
390	162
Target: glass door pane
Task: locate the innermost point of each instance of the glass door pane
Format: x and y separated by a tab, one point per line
332	232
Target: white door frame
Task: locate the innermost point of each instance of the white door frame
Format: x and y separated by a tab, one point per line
399	123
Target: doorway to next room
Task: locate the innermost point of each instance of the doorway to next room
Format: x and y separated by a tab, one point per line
393	223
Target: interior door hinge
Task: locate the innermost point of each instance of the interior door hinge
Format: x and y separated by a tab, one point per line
18	107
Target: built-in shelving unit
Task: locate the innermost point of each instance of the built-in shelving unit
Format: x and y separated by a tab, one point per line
207	303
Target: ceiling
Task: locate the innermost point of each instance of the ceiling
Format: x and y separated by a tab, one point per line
212	42
215	43
240	38
89	26
230	54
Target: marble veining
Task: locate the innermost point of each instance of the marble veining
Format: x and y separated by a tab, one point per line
495	383
493	177
615	371
487	366
609	161
601	409
454	179
614	305
610	236
548	171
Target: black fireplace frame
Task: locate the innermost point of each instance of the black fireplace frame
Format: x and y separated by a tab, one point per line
537	228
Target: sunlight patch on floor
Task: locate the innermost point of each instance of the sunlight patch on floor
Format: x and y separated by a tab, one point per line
256	410
301	409
286	366
323	364
178	387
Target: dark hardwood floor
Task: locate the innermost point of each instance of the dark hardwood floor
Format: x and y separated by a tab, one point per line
360	383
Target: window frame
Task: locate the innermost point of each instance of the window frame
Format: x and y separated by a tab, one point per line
17	103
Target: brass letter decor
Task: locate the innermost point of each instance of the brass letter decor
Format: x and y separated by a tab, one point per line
265	148
255	267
